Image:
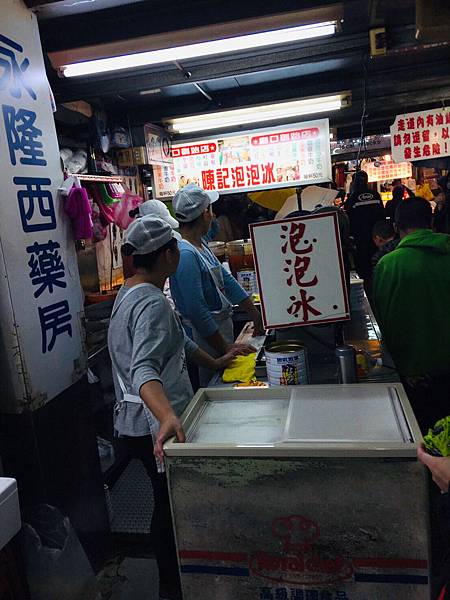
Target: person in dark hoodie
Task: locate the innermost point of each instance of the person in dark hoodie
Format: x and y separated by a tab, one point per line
385	239
364	208
411	293
398	193
441	222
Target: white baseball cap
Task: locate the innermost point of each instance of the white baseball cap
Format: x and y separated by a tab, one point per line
148	234
190	201
158	209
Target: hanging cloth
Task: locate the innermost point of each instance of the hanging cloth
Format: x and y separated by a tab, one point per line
78	208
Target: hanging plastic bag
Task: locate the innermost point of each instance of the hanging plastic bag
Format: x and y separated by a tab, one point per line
106	211
110	193
99	230
122	209
105	453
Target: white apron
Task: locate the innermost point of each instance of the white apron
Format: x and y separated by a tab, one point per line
223	317
153	422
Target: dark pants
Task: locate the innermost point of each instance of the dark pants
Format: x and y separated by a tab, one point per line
161	527
444	515
430	400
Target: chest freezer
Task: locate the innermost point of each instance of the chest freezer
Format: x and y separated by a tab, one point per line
10	521
300	492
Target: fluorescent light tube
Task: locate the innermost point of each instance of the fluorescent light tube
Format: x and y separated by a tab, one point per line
150	92
179	53
267	112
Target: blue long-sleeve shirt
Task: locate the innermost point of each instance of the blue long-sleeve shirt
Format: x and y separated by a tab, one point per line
194	290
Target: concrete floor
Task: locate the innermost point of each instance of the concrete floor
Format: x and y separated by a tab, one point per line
131	572
125	578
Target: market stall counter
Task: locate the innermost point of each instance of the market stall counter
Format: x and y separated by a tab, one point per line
310	491
361	331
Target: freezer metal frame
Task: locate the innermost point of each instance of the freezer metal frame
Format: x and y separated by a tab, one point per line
401	407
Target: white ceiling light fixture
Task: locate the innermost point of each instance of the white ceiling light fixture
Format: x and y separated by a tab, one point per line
210	48
150	92
257	114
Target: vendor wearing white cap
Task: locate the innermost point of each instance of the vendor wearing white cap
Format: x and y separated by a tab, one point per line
156	208
150	207
148	350
203	291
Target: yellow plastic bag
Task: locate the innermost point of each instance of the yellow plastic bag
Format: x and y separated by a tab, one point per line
241	369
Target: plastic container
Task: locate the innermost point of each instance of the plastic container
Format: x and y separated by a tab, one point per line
286	363
247	279
242	264
356	294
240	256
218	249
365	363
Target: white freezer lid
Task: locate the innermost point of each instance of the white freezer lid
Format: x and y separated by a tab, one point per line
336	414
349	414
9	510
238	421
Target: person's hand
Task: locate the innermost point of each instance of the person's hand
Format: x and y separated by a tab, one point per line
258	327
439	467
223	361
168	427
242	349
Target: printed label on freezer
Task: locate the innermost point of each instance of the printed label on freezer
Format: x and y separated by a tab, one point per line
349	540
301	563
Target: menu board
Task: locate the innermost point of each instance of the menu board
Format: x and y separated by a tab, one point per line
249	161
385	170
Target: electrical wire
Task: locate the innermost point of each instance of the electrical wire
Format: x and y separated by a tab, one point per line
362	136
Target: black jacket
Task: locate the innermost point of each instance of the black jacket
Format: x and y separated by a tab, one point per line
364	209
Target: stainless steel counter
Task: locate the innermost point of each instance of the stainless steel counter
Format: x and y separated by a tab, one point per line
362	331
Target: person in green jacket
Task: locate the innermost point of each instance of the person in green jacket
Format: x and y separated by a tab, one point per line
411	293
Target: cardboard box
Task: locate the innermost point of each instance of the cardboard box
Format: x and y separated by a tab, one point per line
127	157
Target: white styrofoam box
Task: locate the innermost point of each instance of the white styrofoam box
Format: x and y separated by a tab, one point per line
10	521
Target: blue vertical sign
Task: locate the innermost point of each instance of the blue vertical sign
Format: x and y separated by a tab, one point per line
42	300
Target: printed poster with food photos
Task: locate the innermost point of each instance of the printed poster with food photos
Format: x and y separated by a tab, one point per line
261	159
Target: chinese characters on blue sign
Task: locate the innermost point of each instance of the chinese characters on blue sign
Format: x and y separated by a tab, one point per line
23	136
13	76
34	198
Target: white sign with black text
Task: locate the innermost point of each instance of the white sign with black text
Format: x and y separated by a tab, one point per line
300	271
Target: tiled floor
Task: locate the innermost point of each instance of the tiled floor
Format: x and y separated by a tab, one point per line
132	501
